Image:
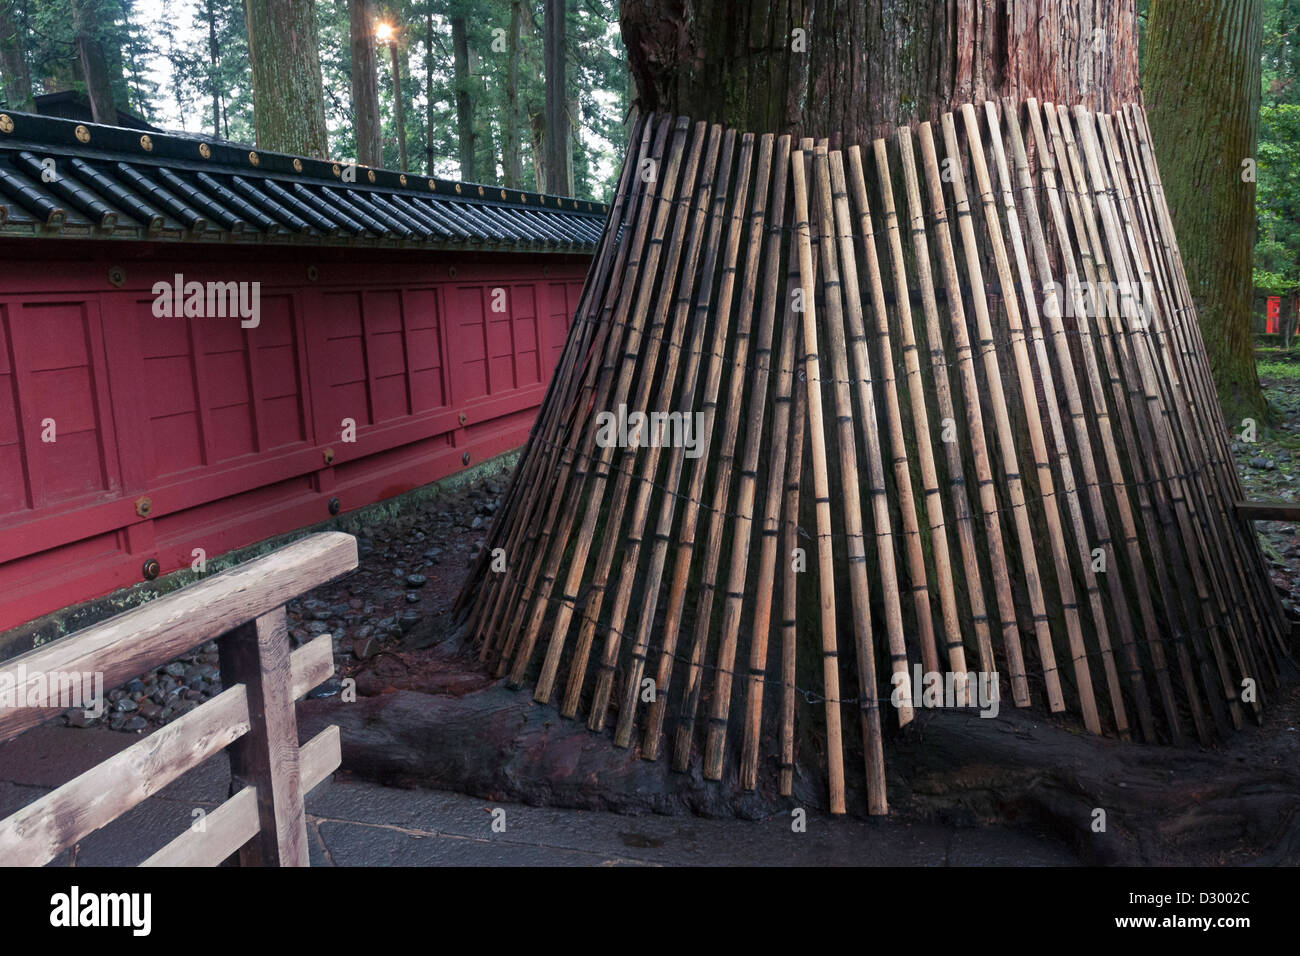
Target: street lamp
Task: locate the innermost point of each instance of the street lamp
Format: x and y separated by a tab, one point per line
387	33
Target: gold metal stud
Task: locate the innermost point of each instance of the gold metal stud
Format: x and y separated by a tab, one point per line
6	123
402	179
205	150
370	175
523	198
253	158
458	187
503	194
328	455
82	134
480	190
297	165
336	170
146	144
433	185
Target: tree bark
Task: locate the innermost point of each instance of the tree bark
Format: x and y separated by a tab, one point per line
94	65
511	163
399	111
860	68
464	107
559	139
365	82
288	99
428	93
1201	82
214	51
537	127
13	60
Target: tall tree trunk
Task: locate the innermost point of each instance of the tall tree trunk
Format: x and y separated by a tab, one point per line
559	140
399	109
288	99
511	163
13	60
1202	90
464	109
860	68
214	57
428	93
537	127
94	65
365	82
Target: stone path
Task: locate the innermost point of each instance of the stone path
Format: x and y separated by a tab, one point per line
363	824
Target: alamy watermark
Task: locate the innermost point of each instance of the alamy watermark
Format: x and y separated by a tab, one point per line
212	300
61	689
947	689
624	429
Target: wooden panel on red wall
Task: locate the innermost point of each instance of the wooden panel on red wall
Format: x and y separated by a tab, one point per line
344	363
424	350
523	315
227	391
281	407
386	355
61	378
174	430
467	333
13	483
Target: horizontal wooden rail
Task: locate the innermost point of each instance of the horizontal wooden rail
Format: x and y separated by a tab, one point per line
41	830
150	635
235	822
1268	510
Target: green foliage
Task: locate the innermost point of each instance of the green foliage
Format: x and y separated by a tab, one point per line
1277	196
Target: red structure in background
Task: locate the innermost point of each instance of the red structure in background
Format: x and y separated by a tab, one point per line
176	434
1272	314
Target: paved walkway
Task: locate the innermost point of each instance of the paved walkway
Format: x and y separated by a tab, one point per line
353	823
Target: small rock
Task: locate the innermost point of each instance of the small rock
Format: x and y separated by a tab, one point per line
125	706
416	581
412	597
135	723
175	669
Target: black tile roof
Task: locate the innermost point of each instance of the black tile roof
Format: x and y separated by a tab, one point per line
61	178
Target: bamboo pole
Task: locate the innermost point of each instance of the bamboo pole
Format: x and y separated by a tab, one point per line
975	422
591	495
859	589
821	486
790	540
1006	442
779	443
725	465
959	500
1053	309
1165	493
1175	464
754	412
1154	518
554	457
1046	380
921	435
640	364
682	295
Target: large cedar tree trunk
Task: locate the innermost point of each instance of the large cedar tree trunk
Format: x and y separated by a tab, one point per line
288	99
13	60
559	138
1204	121
860	68
365	82
464	107
94	65
511	161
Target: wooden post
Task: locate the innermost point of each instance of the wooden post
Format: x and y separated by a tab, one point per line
257	656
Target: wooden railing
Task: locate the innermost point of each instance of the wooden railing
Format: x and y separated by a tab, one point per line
253	717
